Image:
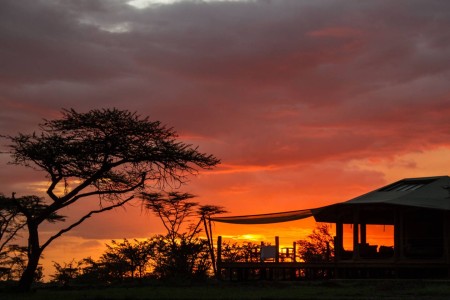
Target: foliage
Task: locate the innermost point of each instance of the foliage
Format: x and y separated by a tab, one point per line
236	252
120	261
67	272
13	262
184	258
128	259
110	154
11	222
174	210
319	246
181	252
156	257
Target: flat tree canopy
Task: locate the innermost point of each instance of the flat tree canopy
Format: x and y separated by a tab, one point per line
112	154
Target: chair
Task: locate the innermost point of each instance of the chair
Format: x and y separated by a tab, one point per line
268	253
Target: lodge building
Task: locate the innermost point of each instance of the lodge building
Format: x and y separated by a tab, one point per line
418	209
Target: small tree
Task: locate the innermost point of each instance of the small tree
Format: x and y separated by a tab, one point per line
186	258
109	154
181	251
66	273
11	222
319	247
132	258
174	210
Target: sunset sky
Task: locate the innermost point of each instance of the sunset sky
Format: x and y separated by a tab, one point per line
306	103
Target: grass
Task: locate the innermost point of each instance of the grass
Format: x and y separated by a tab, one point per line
332	289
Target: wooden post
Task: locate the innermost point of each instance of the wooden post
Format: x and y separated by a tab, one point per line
209	236
219	253
363	233
398	235
356	233
338	241
260	252
277	249
446	216
294	255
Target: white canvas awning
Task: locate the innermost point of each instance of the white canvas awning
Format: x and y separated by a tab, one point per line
266	218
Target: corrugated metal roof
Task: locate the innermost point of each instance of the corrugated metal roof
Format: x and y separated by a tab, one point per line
423	192
429	192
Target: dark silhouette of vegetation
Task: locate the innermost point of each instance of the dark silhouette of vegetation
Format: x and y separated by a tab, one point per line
11	222
132	261
206	212
319	247
110	154
66	273
135	256
240	252
181	253
186	258
14	259
121	261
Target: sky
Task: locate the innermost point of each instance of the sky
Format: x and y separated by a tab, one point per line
306	103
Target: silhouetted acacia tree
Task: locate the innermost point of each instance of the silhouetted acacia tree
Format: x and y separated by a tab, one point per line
181	252
174	210
110	154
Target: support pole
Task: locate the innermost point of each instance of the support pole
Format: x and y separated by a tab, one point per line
398	235
208	232
277	249
213	257
219	252
338	241
294	255
356	233
363	233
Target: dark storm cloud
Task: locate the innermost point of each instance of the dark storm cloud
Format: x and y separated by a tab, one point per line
257	83
227	64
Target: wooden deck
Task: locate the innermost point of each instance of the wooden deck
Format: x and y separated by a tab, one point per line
243	271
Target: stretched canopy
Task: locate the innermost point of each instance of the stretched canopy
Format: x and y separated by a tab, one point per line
267	218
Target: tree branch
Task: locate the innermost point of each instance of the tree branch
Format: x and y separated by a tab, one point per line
81	220
106	192
51	188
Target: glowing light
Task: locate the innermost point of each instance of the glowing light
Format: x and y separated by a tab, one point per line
251	237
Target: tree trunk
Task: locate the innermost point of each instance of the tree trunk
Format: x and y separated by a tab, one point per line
34	254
